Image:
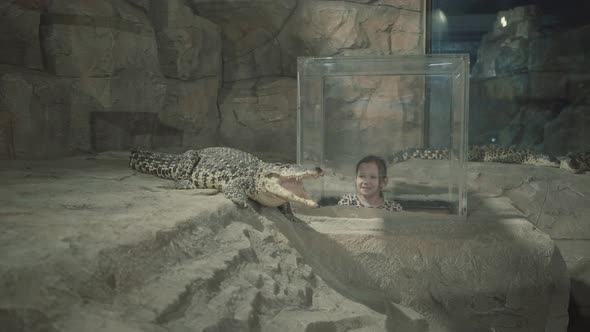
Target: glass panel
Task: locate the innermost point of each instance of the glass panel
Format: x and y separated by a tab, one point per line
529	69
351	107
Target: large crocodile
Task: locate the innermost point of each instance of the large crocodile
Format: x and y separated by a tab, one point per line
237	174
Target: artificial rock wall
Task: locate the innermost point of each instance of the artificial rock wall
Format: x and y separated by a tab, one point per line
144	66
111	74
530	86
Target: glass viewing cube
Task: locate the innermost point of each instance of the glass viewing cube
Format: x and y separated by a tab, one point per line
351	107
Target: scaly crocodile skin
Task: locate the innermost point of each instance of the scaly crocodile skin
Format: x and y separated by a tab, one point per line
486	153
238	174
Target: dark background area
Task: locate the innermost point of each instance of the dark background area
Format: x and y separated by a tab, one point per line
457	26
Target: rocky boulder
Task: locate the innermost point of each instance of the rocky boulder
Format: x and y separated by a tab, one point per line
114	251
110	56
171	58
260	115
568	131
96	39
528	83
488	273
19	34
265	38
250	46
332	28
189	46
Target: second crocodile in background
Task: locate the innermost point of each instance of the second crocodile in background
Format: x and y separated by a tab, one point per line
578	162
237	174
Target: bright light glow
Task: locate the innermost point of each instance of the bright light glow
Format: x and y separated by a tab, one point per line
442	17
503	21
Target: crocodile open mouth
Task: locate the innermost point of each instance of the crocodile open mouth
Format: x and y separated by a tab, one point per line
291	188
295	186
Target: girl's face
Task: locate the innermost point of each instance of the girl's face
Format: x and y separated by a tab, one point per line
368	182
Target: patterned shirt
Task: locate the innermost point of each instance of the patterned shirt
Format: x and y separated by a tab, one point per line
353	200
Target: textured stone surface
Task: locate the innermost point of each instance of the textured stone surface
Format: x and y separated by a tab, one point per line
381	113
128	56
249	30
559	207
568	131
562	51
402	318
6	135
110	251
15	95
527	85
554	200
264	38
106	56
42	112
126	92
191	107
483	274
142	4
19	34
88	243
330	28
119	130
506	48
57	111
189	47
260	115
99	38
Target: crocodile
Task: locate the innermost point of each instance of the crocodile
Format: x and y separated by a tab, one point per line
237	174
575	162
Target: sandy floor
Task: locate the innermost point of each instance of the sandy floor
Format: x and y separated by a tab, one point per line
86	244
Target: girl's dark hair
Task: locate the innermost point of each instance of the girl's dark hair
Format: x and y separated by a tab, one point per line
378	161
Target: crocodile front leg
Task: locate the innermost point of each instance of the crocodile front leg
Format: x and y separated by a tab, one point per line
237	191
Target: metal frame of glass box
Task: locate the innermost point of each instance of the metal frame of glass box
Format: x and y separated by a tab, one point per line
334	94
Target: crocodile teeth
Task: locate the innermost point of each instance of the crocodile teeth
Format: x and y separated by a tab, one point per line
295	186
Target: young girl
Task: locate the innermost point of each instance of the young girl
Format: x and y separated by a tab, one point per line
371	178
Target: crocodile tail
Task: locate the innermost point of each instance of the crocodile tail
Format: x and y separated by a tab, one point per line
164	165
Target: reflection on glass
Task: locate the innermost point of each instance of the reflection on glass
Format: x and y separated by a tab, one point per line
353	107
